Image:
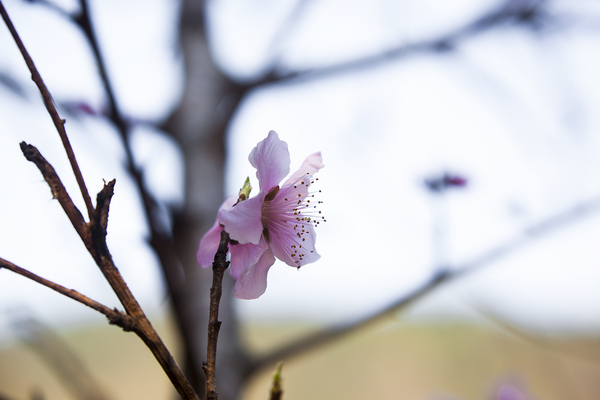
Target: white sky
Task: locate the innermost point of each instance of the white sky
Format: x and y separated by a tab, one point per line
512	111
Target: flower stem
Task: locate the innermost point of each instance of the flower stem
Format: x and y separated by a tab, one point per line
220	265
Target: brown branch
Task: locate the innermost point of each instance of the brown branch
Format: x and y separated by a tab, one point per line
93	234
84	21
59	123
115	317
525	12
58	190
219	267
536	231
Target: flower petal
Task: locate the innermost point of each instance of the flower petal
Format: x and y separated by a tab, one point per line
243	222
252	282
271	159
295	246
210	241
240	256
309	167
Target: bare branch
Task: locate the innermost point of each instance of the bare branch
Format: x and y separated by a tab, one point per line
219	267
536	231
523	12
115	317
58	190
59	123
94	234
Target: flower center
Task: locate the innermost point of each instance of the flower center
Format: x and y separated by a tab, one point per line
288	214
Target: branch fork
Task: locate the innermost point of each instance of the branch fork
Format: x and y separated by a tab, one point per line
93	235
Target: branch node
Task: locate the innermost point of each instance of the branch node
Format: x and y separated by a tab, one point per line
122	320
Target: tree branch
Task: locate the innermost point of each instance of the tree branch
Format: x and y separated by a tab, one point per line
525	12
115	317
536	231
93	234
58	190
219	267
59	123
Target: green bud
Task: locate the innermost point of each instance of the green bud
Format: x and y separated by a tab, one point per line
245	190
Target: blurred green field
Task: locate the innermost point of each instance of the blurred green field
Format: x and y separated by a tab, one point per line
390	360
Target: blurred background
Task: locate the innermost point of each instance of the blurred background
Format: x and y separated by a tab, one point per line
461	148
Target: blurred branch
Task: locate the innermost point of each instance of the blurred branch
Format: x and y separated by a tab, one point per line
536	231
284	31
541	342
523	12
59	123
83	20
61	360
161	239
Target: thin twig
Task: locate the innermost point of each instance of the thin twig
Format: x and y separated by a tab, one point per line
219	267
115	317
59	123
57	188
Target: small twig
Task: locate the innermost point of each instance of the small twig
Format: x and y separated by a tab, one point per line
219	267
115	317
58	190
59	123
276	388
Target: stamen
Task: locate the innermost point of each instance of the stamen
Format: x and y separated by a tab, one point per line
277	211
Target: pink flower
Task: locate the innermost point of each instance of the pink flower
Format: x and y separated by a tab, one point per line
278	222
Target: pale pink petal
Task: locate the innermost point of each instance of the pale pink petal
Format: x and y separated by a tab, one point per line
294	245
271	159
252	282
210	241
240	256
309	167
243	222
